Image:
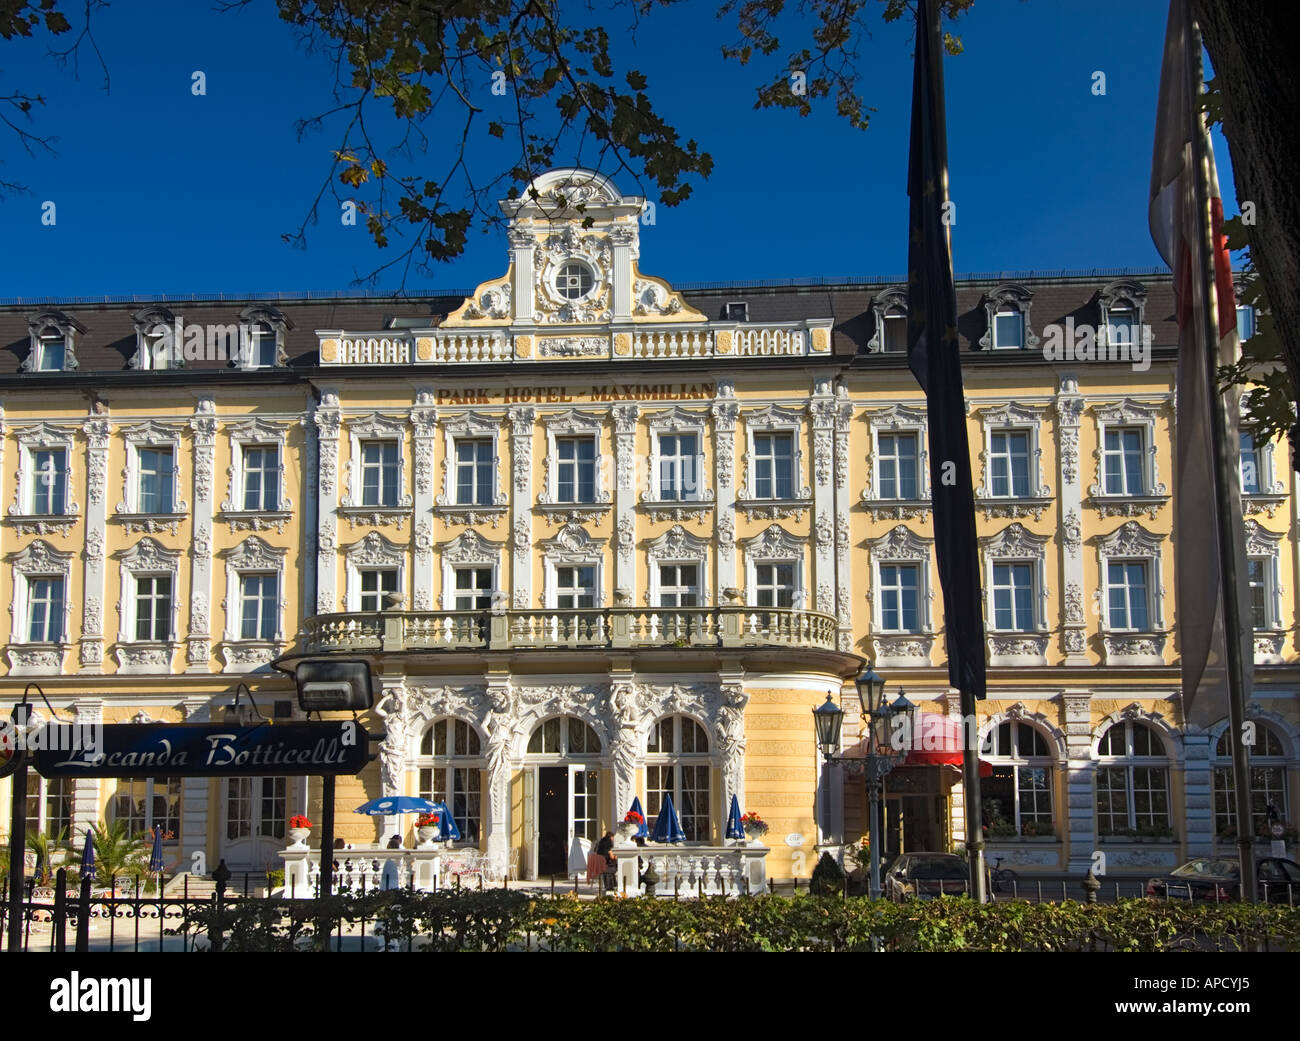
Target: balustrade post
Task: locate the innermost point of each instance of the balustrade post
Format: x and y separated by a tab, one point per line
620	629
498	631
393	631
730	625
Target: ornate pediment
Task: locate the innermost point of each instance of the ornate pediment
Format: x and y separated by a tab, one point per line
1015	541
1127	411
897	417
469	547
1260	542
774	543
901	543
574	543
149	555
40	558
1130	540
773	417
574	422
375	551
1011	414
471	424
254	553
677	544
378	424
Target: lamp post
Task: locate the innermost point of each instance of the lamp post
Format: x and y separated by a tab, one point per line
878	716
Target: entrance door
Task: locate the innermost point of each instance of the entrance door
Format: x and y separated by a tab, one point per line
255	812
911	825
552	820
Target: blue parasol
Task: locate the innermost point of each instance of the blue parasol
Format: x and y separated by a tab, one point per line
667	827
156	856
447	830
734	829
88	856
394	804
643	829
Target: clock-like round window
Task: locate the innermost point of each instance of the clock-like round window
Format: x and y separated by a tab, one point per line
574	280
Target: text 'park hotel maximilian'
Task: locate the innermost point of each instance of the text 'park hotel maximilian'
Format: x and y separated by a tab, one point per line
601	538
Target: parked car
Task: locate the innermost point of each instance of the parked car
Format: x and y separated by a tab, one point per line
1218	879
924	876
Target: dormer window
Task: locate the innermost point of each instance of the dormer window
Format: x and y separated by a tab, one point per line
1120	325
1006	310
895	334
262	331
1008	329
263	346
889	309
736	312
1122	306
52	348
53	336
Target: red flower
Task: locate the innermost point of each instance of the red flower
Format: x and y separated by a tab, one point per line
299	821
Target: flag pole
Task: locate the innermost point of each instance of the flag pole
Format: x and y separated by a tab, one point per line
1232	623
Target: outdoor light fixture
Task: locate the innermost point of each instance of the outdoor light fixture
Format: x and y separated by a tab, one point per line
871	688
328	686
829	717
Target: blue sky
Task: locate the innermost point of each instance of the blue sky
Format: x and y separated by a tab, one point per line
159	191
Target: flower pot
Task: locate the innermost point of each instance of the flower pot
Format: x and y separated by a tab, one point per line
427	837
626	831
754	834
299	837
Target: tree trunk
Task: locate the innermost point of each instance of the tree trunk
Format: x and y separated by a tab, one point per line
1251	46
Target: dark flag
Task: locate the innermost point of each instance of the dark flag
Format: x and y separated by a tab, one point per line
934	360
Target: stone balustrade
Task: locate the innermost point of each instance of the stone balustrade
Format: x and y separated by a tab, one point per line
736	870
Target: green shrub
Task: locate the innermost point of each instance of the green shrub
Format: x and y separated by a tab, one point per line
827	877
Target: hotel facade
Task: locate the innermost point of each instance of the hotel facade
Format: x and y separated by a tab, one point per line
601	538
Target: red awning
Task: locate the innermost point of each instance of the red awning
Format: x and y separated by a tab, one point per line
937	741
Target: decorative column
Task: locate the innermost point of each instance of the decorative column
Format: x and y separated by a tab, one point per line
97	428
1080	779
197	643
625	500
624	716
499	731
85	790
328	421
957	794
522	418
522	246
725	411
393	704
623	237
1069	407
731	729
1197	780
822	410
424	419
195	800
306	533
843	543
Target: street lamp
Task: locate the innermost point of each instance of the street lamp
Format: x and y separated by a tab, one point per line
829	718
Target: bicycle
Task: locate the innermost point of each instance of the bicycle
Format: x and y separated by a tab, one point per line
1003	880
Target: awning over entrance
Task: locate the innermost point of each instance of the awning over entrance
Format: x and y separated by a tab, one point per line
937	741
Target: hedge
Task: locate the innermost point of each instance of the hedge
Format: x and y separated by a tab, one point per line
497	920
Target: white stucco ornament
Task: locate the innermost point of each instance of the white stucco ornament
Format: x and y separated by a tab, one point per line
794	840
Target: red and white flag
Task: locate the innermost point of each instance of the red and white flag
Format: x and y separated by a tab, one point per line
1183	216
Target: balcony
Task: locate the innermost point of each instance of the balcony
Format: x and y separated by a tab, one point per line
599	629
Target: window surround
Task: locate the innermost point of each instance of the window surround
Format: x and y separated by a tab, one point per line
147	339
37	438
1128	413
1015	545
262	314
1125	719
1265	723
1121	293
374	426
672	421
1009	296
469	549
373	551
572	547
147	558
1267	545
1019	715
897	419
37	560
253	555
775	545
1272	492
474	427
1131	541
674	759
901	545
574	424
151	434
1013	418
449	763
252	434
678	546
774	419
43	323
886	300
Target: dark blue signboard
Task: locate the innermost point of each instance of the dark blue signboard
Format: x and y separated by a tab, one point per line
199	750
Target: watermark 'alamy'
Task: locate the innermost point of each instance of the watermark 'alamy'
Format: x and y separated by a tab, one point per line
1082	343
185	341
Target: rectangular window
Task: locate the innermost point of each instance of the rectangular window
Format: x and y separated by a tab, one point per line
900	599
896	333
1129	603
775	585
153	608
1120	326
49	805
261	478
1245	322
259	596
475	463
157	470
774	466
898	466
45	610
1009	464
379	473
263	346
678	465
679	585
375	582
1122	462
49	481
1008	329
1249	464
575	587
1013	597
576	469
1258	569
52	351
473	588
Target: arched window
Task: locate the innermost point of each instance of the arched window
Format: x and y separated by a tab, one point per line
569	738
1132	782
451	772
1267	782
678	764
1017	799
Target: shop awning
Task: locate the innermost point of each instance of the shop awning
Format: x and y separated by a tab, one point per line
937	741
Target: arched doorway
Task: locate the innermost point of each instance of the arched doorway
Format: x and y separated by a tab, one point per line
562	792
